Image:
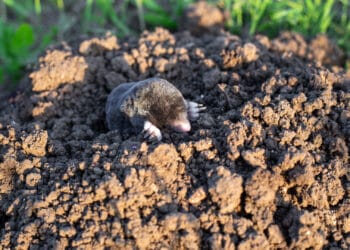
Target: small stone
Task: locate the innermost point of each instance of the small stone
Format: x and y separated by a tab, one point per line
197	196
32	179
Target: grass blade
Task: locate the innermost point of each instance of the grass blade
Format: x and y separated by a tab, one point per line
157	19
88	11
152	6
140	14
37	6
20	9
60	4
326	16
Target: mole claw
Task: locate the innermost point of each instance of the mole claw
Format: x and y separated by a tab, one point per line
151	131
202	108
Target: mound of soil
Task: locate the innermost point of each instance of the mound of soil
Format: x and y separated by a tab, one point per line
266	166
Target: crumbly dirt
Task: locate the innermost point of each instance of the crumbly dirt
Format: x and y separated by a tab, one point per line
265	167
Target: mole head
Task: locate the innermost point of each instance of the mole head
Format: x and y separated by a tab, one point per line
168	107
180	123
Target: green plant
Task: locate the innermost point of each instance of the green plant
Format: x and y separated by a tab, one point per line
307	16
19	44
22	11
257	11
152	13
156	15
235	11
341	27
103	11
16	48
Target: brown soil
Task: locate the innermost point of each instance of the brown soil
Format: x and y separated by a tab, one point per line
265	167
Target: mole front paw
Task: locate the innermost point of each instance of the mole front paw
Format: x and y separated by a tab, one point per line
151	131
193	110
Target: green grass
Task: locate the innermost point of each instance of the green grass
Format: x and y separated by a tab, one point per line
23	35
20	44
308	17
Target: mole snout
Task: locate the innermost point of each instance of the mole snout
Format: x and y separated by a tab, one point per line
181	126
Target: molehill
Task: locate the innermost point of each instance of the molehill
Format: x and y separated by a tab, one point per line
266	166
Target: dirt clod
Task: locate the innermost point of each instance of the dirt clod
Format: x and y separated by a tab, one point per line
202	18
35	143
221	185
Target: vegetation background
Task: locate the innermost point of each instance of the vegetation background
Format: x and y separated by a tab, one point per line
27	27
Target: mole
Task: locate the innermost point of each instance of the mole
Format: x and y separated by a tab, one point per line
147	106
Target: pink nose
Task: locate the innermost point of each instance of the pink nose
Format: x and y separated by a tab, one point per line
186	127
182	127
